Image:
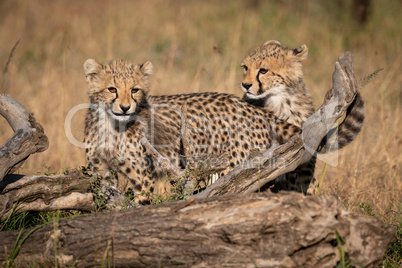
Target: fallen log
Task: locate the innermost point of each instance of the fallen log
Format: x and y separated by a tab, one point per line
45	193
255	230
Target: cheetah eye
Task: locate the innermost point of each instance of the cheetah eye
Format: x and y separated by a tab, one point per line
112	89
245	67
134	90
263	71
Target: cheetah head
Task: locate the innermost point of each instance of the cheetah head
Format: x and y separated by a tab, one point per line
121	86
271	69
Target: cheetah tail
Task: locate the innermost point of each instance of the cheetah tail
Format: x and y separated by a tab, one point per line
347	130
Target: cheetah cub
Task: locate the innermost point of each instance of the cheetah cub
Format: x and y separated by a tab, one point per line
116	122
180	127
273	79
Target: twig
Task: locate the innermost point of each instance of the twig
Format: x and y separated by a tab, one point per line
363	82
7	63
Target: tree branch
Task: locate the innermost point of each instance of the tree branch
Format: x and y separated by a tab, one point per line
28	138
45	193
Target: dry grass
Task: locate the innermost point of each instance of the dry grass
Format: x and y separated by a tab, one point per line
198	46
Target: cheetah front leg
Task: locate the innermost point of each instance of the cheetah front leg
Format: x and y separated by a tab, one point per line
300	180
109	180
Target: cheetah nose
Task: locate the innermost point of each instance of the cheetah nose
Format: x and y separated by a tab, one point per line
124	108
246	85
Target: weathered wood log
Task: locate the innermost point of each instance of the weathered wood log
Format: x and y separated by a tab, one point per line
45	193
28	137
279	160
255	230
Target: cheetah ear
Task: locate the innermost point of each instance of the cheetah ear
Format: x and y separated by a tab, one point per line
91	68
146	68
271	42
301	52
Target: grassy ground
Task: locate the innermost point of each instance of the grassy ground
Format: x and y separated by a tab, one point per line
198	46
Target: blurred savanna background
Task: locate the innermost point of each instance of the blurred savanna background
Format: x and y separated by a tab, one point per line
198	46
